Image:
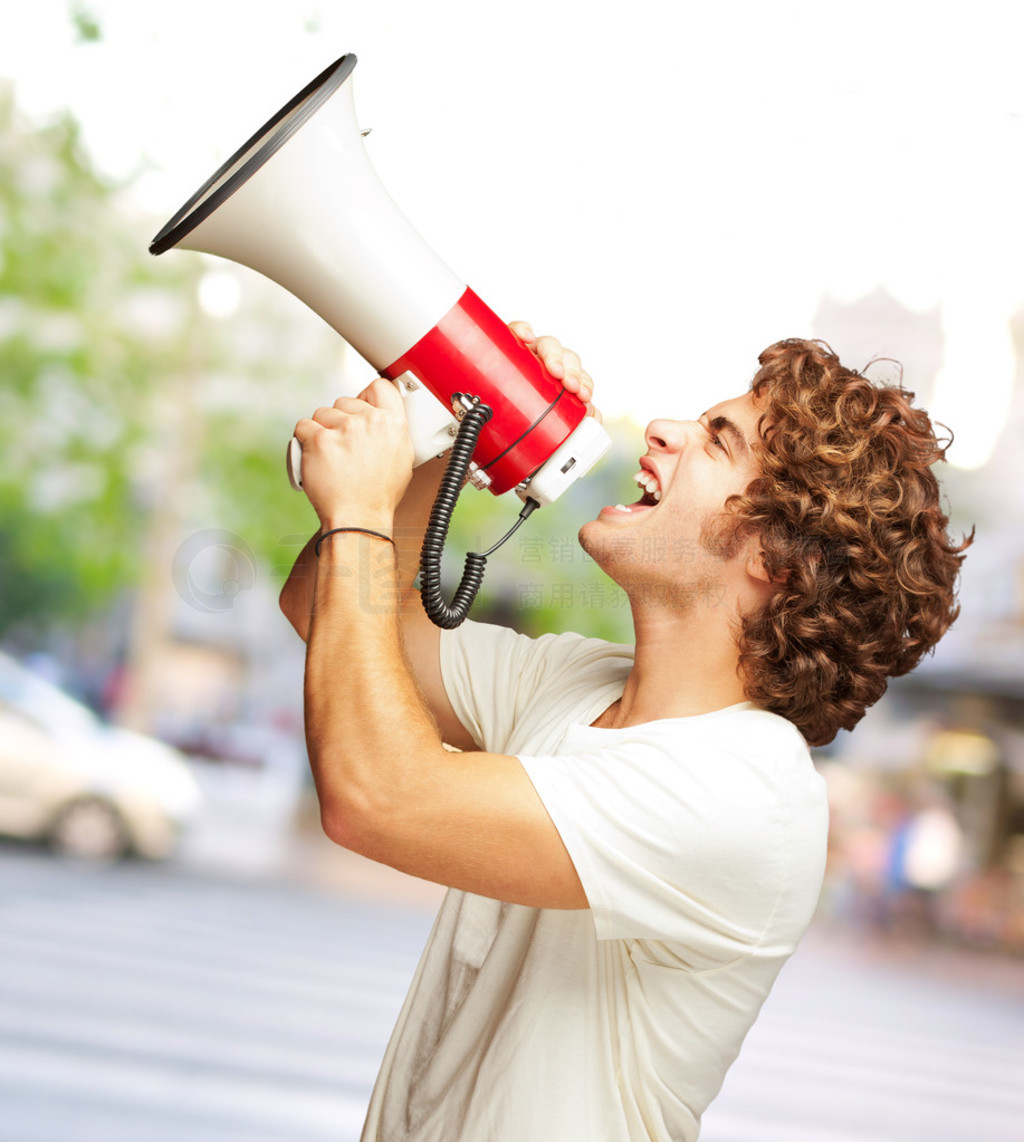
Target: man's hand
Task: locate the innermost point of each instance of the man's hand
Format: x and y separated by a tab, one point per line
563	364
357	458
344	498
357	455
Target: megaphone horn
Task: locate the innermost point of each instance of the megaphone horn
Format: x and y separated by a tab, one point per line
301	203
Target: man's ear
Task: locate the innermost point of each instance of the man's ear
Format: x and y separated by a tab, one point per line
756	566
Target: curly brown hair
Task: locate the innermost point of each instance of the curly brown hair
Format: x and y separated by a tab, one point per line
848	513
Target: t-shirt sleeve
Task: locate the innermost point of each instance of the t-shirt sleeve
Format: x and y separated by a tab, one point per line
694	848
491	673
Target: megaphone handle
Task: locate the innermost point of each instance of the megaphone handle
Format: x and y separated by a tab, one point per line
293	462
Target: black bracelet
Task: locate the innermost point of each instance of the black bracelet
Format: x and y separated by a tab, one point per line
364	530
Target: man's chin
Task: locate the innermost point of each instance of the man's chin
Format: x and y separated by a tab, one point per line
595	540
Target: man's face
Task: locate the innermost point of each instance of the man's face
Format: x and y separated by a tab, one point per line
672	542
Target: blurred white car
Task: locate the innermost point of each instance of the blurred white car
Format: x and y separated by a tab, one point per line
90	789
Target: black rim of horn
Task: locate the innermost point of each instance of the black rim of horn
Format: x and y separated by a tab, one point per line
199	207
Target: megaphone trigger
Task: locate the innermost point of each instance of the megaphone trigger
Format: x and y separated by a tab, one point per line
293	462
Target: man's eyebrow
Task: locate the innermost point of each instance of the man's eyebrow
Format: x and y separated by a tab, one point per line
724	424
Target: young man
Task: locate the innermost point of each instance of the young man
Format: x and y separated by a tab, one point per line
634	837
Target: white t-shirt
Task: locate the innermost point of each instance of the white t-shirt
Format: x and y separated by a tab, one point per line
700	844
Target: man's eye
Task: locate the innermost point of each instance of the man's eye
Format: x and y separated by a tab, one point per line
716	440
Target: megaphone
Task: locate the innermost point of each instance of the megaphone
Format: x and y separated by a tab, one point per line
301	203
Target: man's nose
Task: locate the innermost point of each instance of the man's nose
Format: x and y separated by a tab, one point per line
669	435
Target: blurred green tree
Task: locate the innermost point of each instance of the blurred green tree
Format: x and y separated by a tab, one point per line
73	369
116	405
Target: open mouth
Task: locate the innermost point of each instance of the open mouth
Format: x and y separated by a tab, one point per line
651	489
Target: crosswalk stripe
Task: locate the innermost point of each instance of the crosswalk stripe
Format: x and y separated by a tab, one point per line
318	1112
128	922
376	988
239	1050
50	988
928	1066
731	1127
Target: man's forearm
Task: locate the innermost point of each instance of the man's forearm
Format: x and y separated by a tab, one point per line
369	734
411	518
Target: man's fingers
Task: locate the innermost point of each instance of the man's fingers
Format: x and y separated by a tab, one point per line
573	374
561	363
379	393
551	353
382	393
342	408
523	330
306	429
333	417
351	404
379	396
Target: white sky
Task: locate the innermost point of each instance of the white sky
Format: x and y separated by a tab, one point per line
668	187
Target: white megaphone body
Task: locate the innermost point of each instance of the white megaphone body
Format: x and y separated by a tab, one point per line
301	203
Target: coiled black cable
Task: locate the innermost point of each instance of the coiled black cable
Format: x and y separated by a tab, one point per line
442	614
438	611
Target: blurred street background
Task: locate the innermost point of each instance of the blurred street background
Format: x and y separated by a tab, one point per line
165	1002
668	191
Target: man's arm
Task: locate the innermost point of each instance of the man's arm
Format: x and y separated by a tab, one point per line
411	518
420	637
388	789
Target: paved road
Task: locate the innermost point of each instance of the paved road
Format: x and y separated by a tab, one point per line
142	1004
154	1004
